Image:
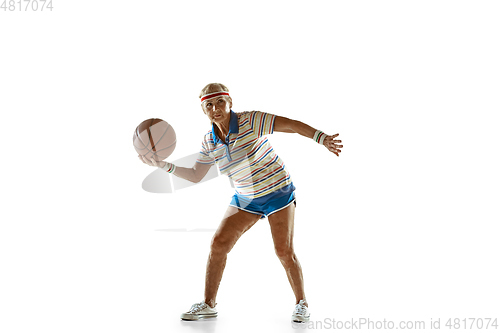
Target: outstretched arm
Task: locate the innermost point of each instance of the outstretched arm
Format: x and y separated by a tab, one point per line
283	124
194	174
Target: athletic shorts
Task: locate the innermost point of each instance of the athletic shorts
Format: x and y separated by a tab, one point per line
268	204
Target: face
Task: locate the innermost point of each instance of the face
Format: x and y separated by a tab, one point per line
218	109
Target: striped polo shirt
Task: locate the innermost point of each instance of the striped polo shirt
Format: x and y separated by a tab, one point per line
245	155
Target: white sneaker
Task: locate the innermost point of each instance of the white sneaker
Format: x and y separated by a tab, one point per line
199	311
301	313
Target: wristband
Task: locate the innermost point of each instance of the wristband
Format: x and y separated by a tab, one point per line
319	137
169	167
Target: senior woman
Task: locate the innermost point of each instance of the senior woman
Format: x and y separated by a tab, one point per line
238	145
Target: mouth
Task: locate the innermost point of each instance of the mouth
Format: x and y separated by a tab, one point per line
217	116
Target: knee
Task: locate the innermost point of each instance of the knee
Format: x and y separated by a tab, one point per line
220	245
285	254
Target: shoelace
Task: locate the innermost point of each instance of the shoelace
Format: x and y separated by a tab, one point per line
300	310
197	307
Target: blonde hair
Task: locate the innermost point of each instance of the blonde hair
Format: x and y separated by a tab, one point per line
213	87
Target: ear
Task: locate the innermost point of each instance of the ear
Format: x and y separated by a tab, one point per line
230	103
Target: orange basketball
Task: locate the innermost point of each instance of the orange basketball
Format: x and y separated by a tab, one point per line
154	138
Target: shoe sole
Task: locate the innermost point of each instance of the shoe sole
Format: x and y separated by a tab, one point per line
192	317
297	319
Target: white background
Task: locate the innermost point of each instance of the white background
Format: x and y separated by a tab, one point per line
402	226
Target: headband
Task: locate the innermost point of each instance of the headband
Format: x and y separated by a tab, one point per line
215	94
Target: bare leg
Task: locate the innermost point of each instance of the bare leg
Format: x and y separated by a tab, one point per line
281	224
234	224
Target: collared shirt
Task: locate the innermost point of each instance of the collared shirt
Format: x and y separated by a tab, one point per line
245	155
233	128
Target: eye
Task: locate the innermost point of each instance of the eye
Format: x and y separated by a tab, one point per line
221	100
208	104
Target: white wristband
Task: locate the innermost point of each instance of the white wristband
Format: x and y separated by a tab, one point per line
319	137
169	167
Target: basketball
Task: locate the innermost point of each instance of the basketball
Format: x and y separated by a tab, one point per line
154	138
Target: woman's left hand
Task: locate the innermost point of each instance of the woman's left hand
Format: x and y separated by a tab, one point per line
331	144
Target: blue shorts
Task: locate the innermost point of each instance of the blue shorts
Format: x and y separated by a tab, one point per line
268	204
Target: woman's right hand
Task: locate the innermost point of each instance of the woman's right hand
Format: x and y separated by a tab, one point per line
152	162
